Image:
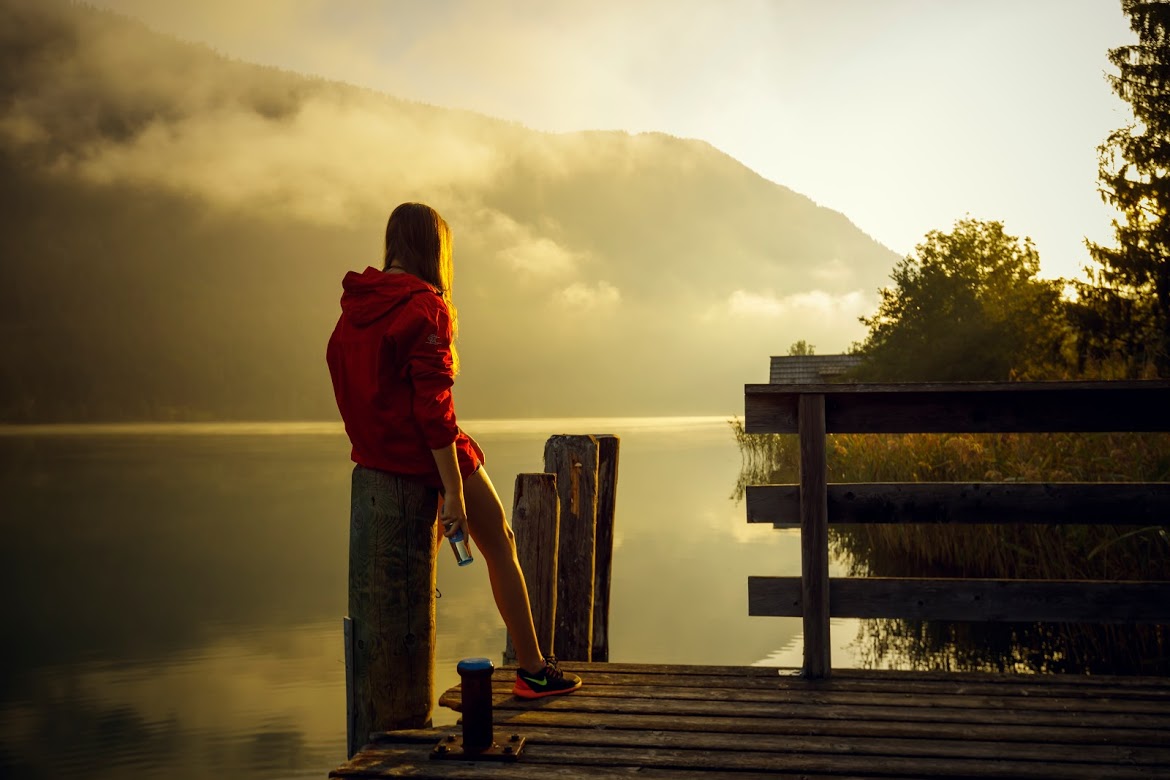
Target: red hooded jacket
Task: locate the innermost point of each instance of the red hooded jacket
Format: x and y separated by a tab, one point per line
390	359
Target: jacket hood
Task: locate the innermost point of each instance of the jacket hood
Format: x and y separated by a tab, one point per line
372	294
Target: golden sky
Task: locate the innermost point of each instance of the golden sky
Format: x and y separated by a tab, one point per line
905	115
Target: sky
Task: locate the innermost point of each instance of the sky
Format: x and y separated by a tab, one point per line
905	115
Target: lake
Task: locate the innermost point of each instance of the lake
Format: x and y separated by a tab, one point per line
174	593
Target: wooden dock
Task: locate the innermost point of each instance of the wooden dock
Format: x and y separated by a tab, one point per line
691	722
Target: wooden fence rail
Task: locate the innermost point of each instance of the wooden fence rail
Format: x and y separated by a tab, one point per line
813	411
1047	503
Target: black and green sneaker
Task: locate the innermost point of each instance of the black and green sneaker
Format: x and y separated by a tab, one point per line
549	681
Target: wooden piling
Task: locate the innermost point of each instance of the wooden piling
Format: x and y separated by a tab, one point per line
607	473
391	628
574	460
536	519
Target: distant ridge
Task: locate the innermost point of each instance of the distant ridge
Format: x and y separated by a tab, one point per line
176	225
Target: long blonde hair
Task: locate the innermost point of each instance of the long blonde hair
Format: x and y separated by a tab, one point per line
420	241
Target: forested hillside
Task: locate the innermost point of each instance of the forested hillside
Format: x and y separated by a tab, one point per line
175	226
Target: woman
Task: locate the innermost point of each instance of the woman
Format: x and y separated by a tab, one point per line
393	362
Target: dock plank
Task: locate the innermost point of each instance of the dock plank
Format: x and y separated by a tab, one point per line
820	697
851	680
573	756
439	770
689	723
661	735
648	706
861	728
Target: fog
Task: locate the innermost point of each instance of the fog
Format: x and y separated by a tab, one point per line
596	272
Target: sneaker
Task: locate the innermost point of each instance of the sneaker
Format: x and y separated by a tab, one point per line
549	681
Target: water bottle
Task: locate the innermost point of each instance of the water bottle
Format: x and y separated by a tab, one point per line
460	548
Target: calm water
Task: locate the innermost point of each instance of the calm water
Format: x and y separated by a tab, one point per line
174	594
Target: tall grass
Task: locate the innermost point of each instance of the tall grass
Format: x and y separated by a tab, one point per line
1115	552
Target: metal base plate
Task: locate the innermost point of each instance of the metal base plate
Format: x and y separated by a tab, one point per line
451	749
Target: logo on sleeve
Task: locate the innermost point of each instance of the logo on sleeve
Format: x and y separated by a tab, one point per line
434	340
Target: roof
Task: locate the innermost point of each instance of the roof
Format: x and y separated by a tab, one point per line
810	369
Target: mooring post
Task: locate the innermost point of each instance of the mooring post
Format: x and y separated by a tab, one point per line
475	675
478	742
607	473
536	519
390	631
574	460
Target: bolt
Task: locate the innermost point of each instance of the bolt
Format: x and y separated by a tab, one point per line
515	738
508	750
450	737
440	749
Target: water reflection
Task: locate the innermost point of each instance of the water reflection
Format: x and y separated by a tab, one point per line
1061	648
176	596
231	706
1064	552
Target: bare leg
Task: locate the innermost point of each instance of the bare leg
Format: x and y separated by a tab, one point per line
493	537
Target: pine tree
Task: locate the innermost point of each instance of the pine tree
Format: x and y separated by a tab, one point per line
1124	310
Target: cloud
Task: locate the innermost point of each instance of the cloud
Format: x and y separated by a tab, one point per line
21	130
535	62
127	106
762	322
541	256
330	160
813	303
590	298
836	271
526	249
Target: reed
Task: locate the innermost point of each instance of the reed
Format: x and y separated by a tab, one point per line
1111	552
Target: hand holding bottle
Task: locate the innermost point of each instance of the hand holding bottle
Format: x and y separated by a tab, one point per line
454	518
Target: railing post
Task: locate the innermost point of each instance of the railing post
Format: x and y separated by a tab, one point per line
814	535
536	519
574	460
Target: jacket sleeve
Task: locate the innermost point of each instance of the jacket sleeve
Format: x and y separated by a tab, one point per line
426	346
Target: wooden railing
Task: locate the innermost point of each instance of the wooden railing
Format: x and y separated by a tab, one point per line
813	411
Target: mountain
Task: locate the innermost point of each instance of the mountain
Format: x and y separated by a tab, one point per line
176	224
